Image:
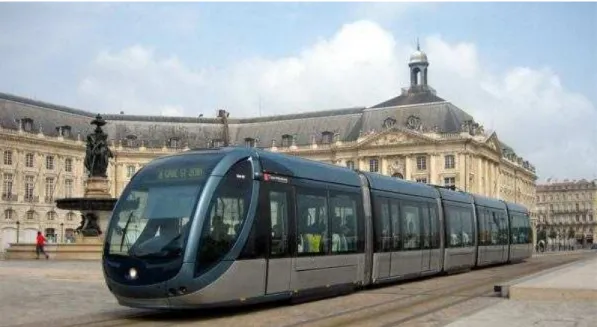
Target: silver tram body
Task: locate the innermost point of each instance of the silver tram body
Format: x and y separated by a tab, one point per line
232	226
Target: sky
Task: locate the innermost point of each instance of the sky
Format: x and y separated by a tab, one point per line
524	70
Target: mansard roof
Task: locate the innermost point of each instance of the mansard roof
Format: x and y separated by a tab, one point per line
417	94
347	123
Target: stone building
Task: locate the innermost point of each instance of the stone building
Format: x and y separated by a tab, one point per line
567	210
416	135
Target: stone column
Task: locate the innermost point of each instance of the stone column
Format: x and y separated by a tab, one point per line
460	160
432	170
408	167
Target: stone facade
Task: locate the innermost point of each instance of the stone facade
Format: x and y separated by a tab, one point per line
416	135
568	210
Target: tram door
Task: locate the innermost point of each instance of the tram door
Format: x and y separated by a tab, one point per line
279	263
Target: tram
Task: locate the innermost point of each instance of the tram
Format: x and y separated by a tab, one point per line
236	225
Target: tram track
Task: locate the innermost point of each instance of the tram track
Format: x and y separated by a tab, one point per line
415	300
407	310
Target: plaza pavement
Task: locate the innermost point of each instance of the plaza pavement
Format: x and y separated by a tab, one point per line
33	291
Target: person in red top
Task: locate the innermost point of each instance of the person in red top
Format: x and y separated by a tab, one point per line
39	248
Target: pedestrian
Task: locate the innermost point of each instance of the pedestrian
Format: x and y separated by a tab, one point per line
39	247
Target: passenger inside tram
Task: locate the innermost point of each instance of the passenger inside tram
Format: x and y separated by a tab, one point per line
338	238
219	229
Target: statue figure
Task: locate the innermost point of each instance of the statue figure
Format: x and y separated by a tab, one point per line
89	226
97	154
81	226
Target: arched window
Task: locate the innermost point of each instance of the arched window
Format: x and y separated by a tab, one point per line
9	214
374	165
29	160
70	216
50	235
51	215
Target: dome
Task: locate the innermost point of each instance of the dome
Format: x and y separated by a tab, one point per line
418	57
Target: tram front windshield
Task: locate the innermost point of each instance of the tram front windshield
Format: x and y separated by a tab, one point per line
154	216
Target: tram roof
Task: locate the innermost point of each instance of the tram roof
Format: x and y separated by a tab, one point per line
456	196
293	166
488	202
516	207
392	184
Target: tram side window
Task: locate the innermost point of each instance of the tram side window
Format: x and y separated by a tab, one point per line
278	202
411	226
521	235
483	230
382	225
514	229
426	224
312	221
468	233
435	241
459	231
344	214
395	218
495	227
503	229
485	227
529	233
226	214
453	227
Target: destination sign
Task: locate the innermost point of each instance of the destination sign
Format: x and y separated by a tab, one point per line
179	173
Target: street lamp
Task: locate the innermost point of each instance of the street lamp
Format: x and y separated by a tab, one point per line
62	232
18	230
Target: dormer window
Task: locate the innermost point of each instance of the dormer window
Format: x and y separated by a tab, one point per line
389	122
64	131
286	140
249	142
174	142
326	137
130	140
27	124
217	143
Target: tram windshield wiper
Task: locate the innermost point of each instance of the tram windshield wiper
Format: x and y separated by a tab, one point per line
126	226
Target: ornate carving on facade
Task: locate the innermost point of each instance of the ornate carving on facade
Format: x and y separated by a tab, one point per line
397	165
471	127
389	122
413	122
394	138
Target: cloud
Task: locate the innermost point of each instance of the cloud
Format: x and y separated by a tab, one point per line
361	65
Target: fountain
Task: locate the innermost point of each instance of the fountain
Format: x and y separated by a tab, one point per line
97	203
95	206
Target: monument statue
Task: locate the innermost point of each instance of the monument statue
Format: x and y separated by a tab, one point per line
97	154
97	202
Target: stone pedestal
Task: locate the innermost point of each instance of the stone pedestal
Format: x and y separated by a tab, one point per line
97	187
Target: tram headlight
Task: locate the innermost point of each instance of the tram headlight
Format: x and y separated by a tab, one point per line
133	273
